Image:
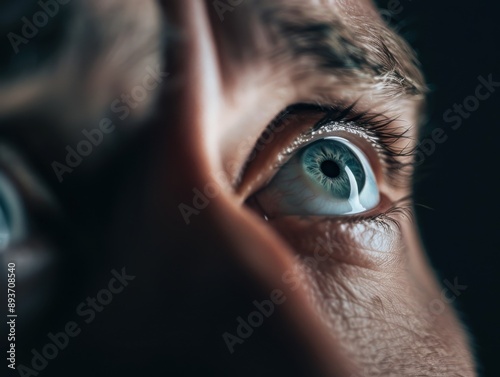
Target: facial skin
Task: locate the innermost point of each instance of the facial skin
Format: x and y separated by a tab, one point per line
360	298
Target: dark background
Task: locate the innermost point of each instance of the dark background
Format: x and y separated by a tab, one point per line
456	187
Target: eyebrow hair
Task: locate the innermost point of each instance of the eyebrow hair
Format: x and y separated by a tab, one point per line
363	49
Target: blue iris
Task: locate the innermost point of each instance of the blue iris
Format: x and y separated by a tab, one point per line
325	163
331	176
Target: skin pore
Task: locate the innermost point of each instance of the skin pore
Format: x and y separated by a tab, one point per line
357	288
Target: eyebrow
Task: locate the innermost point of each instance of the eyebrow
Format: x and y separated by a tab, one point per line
364	50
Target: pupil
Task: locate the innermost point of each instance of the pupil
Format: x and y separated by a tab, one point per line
330	168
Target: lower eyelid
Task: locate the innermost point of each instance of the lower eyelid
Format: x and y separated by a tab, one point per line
368	244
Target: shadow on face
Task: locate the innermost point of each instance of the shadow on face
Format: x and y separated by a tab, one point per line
218	188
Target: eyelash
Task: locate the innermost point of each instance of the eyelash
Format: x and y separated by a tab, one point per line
380	131
375	126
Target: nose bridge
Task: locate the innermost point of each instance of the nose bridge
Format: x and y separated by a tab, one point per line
195	97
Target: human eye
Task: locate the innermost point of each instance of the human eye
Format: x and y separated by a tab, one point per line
330	176
335	168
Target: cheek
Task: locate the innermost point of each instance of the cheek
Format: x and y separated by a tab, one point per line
361	282
348	269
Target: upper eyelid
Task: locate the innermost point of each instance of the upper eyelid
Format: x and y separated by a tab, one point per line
299	119
328	127
386	132
381	130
